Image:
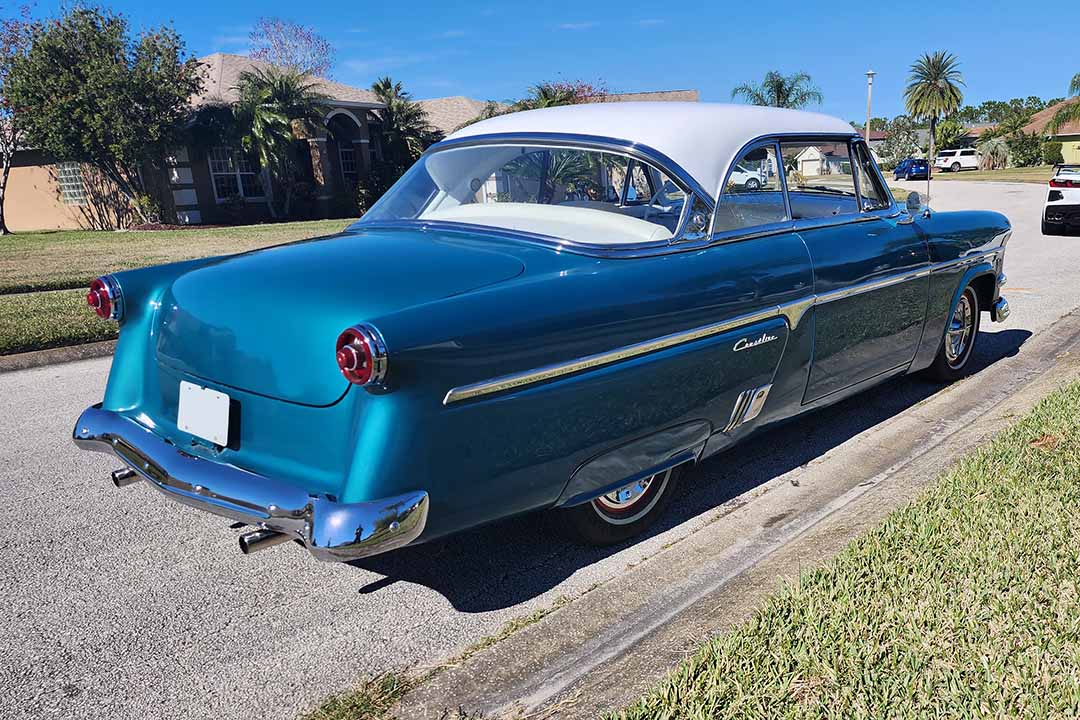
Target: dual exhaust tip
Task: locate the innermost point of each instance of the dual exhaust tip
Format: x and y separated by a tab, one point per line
250	542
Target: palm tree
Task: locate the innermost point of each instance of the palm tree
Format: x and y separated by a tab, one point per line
274	104
546	95
406	132
776	90
933	90
1071	111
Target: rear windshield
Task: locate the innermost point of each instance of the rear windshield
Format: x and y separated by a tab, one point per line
579	194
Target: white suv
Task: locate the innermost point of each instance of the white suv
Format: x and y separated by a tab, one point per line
957	160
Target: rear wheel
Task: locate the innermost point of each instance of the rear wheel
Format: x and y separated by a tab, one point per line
623	513
959	340
955	167
753	184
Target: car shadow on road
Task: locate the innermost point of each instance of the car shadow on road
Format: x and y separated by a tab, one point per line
515	560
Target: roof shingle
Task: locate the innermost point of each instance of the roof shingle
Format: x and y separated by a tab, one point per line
1041	119
221	72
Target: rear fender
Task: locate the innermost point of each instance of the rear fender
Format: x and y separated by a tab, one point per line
636	460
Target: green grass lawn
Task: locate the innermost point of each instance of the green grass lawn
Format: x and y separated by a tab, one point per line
964	604
71	259
44	275
1039	174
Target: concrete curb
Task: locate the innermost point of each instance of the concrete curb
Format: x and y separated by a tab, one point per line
607	647
53	356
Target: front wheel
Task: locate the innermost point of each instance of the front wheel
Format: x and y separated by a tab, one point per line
959	340
753	184
623	513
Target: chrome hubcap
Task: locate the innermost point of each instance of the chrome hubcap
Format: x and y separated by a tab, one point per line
961	328
625	496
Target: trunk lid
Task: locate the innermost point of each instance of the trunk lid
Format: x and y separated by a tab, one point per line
266	321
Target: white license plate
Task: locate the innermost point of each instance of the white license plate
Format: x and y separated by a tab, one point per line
204	413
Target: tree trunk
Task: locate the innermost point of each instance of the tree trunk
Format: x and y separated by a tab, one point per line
932	156
3	192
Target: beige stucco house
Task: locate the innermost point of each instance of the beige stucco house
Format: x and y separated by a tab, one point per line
1068	134
216	184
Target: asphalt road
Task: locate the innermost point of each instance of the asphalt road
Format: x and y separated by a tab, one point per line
118	604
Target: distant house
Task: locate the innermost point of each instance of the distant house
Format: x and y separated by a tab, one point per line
1068	134
823	160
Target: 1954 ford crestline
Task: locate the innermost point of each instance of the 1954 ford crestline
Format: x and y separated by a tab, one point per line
556	309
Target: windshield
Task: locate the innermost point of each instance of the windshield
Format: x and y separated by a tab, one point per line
577	194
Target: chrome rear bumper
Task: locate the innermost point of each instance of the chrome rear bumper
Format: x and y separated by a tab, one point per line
330	530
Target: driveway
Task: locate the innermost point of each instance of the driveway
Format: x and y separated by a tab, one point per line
122	605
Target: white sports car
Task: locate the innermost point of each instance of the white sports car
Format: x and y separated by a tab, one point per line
1062	211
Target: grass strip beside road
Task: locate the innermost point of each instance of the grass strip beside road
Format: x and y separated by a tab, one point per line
65	259
40	320
44	276
1039	174
965	603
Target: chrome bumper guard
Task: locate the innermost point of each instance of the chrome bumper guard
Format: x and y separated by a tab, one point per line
330	530
1000	310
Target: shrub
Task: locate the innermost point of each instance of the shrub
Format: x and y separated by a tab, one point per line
369	189
1025	150
1051	152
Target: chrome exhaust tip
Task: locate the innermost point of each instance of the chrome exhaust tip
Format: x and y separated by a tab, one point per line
257	540
124	477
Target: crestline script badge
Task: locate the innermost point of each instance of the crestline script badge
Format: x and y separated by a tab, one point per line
745	344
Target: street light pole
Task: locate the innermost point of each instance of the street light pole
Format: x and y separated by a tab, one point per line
869	90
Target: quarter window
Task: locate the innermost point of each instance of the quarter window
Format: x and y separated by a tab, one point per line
819	179
69	178
234	175
752	194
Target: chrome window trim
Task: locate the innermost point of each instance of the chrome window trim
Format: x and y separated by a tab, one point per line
752	229
792	311
890	209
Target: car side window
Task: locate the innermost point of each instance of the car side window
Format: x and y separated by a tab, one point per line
819	177
874	196
752	194
967	153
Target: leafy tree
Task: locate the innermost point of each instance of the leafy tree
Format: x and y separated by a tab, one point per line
289	45
406	132
561	92
274	103
88	92
902	142
949	133
15	35
776	90
1070	112
933	90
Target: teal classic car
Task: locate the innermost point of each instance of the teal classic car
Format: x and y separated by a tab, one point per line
552	310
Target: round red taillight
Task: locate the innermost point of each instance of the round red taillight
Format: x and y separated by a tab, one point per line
104	298
361	355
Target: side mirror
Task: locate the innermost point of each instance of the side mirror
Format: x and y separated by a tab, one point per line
914	202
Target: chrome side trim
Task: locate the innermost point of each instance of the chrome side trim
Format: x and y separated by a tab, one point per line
871	285
529	377
748	406
792	312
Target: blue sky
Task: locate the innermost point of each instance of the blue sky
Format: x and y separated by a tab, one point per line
496	50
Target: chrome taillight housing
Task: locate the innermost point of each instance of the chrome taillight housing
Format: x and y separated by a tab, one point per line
361	355
104	298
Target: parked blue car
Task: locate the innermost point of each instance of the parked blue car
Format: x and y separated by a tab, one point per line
911	169
559	309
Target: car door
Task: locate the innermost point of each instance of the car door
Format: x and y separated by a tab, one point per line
871	275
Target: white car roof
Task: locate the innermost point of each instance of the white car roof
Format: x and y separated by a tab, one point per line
702	138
